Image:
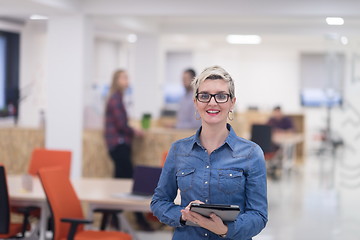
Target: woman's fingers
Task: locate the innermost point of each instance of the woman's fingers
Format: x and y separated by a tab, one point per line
215	217
191	216
195	201
185	213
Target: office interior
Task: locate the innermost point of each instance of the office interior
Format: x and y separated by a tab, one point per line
295	58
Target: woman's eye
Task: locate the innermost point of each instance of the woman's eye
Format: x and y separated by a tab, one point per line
221	96
204	96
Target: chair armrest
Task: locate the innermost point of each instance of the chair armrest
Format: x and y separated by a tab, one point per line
75	222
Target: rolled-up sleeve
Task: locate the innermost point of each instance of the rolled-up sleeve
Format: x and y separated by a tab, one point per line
254	218
162	204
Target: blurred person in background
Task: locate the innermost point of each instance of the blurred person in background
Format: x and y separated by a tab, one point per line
279	122
119	135
214	166
185	115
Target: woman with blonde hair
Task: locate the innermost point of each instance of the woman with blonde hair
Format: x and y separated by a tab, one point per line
214	166
118	134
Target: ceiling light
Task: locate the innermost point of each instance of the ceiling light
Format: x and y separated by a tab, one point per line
132	38
38	17
243	39
344	40
334	21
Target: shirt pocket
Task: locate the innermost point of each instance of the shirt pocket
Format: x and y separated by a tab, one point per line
230	181
185	178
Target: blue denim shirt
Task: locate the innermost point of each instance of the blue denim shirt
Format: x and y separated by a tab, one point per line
234	173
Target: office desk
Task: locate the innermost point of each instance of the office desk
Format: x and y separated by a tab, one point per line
20	197
96	192
287	142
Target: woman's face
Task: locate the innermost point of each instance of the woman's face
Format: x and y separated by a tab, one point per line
213	113
123	81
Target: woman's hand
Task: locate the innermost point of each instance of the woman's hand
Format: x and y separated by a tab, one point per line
185	212
213	224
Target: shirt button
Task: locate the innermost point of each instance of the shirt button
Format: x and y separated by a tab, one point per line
207	166
205	234
230	174
182	173
206	200
206	182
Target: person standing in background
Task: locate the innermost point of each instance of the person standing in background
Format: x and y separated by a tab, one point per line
118	134
185	116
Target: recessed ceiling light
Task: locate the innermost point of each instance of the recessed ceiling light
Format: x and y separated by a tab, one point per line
132	38
38	17
243	39
334	21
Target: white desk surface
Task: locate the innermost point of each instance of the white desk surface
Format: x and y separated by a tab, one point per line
89	190
95	192
288	138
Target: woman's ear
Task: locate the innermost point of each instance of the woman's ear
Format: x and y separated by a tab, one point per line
233	101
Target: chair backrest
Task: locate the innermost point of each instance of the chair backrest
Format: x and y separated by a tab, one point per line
44	158
4	203
62	199
261	134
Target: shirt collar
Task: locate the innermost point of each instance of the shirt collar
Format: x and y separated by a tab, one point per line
230	139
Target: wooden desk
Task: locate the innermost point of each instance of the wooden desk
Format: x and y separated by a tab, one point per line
96	192
21	197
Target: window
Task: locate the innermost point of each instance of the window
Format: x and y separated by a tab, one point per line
9	73
322	79
2	72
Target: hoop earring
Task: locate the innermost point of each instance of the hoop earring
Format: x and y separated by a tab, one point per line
231	115
197	118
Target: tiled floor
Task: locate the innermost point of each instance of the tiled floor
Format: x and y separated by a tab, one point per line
316	202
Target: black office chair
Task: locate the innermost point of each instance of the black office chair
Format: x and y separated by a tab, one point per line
261	134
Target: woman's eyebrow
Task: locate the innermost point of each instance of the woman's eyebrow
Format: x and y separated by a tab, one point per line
215	93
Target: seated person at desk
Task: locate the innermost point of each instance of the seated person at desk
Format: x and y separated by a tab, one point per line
214	166
279	122
185	115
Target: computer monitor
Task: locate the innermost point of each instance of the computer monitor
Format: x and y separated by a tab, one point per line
145	180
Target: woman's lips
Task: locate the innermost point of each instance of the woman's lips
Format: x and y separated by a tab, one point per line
212	111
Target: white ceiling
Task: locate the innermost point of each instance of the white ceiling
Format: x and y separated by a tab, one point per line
291	17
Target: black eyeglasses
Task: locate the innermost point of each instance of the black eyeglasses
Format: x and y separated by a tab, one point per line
206	97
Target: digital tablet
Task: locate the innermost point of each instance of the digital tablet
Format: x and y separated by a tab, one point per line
227	213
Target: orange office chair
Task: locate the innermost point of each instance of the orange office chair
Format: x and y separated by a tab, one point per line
66	209
40	158
44	158
7	229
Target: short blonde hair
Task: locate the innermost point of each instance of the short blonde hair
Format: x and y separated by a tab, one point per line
214	73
